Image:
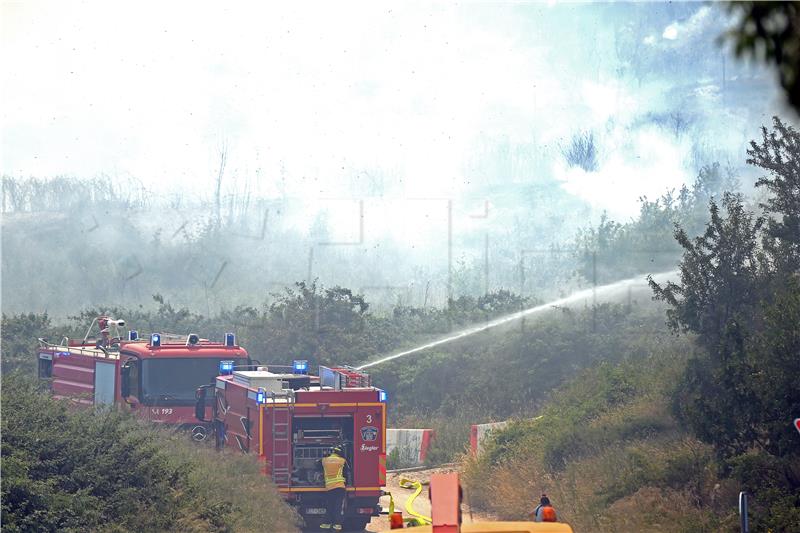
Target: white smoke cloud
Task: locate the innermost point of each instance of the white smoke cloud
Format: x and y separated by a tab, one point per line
309	97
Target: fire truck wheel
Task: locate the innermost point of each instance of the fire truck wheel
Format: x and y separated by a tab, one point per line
311	524
199	433
355	524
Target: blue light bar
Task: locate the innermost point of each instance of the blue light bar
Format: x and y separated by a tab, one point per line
261	396
300	366
133	335
230	339
155	340
382	396
225	367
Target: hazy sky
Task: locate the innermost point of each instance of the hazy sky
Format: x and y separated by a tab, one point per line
316	99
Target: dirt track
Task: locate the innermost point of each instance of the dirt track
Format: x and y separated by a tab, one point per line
421	504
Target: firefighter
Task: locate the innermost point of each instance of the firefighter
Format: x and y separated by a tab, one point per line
544	512
334	468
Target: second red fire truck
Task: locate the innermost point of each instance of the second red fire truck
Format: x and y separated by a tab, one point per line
290	420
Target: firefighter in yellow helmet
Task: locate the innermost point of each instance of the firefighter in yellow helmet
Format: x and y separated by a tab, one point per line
334	469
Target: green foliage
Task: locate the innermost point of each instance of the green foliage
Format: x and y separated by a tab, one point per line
563	433
779	154
393	460
770	32
315	323
612	250
604	441
76	470
19	334
739	292
517	366
722	265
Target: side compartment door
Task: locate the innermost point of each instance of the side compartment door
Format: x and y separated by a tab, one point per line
104	382
368	446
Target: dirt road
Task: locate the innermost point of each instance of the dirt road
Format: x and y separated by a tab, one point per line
422	505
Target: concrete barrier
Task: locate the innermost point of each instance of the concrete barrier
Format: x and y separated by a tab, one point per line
480	432
411	444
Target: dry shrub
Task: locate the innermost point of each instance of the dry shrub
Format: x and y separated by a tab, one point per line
653	509
608	474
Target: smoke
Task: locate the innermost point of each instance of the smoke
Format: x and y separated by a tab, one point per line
389	149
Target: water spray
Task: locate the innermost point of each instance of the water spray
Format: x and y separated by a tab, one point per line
592	292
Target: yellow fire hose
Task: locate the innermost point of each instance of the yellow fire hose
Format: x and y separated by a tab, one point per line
418	519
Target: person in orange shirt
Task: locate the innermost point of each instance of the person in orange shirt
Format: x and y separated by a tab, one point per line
544	512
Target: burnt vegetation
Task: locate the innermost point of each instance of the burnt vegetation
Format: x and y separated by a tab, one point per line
581	151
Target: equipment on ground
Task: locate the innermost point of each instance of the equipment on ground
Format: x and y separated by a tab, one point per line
417	519
446	495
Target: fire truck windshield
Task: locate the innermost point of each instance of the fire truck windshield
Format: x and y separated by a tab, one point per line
175	380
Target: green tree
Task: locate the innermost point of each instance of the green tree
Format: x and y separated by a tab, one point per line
739	292
779	154
719	274
315	323
19	340
770	32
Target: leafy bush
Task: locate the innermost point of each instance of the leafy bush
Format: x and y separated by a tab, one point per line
77	470
19	334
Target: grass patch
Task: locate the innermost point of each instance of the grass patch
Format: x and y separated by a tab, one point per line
610	456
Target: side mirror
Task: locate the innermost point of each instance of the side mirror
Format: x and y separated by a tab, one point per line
200	404
125	380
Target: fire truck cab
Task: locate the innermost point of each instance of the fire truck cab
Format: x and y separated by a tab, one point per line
291	420
156	378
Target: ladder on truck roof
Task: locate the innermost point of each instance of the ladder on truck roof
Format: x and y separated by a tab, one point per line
281	419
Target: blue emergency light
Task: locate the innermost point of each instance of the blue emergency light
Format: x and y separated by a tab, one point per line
300	366
133	335
382	396
261	396
226	367
230	339
155	340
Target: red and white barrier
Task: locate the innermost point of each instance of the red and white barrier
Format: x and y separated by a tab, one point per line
480	432
412	445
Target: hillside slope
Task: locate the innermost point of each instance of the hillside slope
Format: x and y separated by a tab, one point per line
610	456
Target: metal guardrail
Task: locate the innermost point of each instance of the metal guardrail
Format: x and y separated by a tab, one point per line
79	350
419	468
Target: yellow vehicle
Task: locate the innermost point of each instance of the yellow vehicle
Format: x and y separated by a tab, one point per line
504	527
445	495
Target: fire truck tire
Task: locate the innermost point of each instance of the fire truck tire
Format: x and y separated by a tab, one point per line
311	524
355	524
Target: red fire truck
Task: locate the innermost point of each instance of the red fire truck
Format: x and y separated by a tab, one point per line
291	420
154	377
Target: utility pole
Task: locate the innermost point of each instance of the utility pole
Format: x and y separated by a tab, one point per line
743	522
594	291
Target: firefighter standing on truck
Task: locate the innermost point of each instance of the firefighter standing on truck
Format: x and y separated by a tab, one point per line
334	468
